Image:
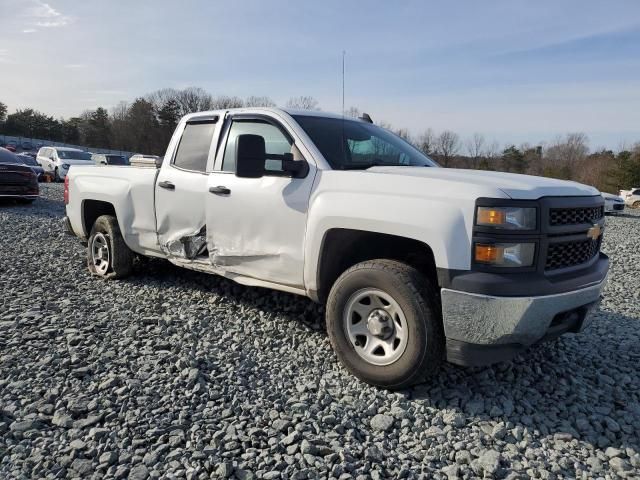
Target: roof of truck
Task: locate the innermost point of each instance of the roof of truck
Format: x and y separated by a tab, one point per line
289	111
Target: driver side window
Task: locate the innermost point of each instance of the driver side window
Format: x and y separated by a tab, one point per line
276	143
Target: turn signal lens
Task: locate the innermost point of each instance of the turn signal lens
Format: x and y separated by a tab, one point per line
489	253
491	216
508	218
505	254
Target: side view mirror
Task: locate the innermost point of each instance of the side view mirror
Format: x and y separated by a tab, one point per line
251	160
250	156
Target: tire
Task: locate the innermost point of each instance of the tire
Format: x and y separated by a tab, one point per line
420	350
56	177
636	204
115	259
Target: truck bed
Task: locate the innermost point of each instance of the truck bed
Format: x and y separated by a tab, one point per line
129	189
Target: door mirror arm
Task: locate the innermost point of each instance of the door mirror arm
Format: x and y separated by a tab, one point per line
297	168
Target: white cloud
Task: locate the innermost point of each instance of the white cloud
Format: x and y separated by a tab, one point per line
29	30
75	65
43	15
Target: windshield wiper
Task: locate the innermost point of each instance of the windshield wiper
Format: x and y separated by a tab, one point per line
364	166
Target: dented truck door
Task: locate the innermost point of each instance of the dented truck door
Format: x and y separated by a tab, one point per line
181	186
256	226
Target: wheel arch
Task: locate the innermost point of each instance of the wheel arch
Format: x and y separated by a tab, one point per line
92	209
342	248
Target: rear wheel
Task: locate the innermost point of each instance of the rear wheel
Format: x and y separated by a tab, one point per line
56	177
107	254
636	204
384	322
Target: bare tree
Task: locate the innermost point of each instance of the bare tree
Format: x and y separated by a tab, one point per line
475	146
256	101
566	154
427	141
352	112
447	145
223	101
303	103
194	99
120	134
162	97
403	133
119	112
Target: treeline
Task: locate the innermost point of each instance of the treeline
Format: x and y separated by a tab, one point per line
146	126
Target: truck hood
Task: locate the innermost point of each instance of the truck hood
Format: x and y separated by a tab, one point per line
516	186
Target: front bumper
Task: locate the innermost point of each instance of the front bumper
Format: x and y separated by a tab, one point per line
484	329
613	207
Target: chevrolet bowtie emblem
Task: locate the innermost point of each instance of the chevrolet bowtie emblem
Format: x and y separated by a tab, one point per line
594	232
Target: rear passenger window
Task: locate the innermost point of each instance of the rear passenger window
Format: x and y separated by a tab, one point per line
193	149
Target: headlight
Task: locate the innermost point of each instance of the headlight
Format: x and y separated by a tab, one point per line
505	254
509	218
65	165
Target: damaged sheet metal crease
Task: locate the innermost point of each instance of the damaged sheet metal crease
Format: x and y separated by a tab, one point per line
187	246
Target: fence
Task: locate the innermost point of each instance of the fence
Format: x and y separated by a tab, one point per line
36	143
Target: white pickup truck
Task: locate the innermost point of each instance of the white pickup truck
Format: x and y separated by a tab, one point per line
416	264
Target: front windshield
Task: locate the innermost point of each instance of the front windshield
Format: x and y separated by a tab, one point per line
354	145
73	155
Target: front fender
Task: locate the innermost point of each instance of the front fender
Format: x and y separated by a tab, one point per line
439	223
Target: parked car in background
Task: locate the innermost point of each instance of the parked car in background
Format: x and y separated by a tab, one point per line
612	203
17	180
29	154
109	159
29	160
27	145
11	146
631	197
58	160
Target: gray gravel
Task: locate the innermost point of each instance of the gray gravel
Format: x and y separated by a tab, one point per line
176	374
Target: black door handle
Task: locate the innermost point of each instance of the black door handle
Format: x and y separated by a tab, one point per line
167	185
220	190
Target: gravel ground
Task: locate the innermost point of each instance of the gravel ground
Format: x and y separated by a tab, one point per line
175	374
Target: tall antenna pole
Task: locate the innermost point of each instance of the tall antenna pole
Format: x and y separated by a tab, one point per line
343	55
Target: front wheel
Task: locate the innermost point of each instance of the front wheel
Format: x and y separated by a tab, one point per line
384	323
635	204
107	254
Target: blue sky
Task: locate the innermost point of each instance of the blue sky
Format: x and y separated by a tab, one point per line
512	70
